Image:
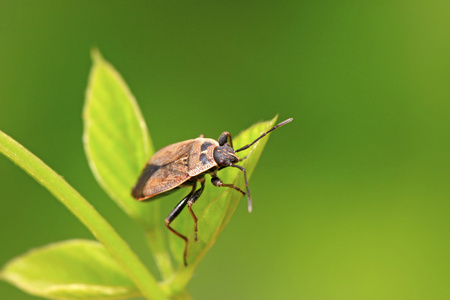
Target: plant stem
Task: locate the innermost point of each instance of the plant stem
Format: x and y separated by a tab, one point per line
155	241
86	213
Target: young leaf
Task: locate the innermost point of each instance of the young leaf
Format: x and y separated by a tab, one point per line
74	269
216	205
116	139
117	145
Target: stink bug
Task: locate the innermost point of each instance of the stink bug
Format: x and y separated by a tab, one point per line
183	165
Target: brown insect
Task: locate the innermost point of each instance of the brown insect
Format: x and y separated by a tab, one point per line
183	165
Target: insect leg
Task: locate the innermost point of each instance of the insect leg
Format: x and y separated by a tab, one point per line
191	201
174	213
217	182
224	137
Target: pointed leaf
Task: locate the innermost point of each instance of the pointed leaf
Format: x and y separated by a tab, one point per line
117	145
116	139
74	269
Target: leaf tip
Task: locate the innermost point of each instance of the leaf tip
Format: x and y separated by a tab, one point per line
2	274
96	55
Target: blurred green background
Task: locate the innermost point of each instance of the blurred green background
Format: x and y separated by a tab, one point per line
351	200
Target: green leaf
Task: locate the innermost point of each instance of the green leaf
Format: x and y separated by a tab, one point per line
216	205
85	212
117	145
116	139
74	269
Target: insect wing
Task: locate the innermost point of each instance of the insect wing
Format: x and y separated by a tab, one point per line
167	169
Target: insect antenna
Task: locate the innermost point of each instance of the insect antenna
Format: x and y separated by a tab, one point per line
264	134
249	197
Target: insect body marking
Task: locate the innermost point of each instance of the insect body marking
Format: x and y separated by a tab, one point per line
200	157
203	158
205	146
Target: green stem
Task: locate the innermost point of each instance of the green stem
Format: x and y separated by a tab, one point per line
156	242
178	282
86	213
